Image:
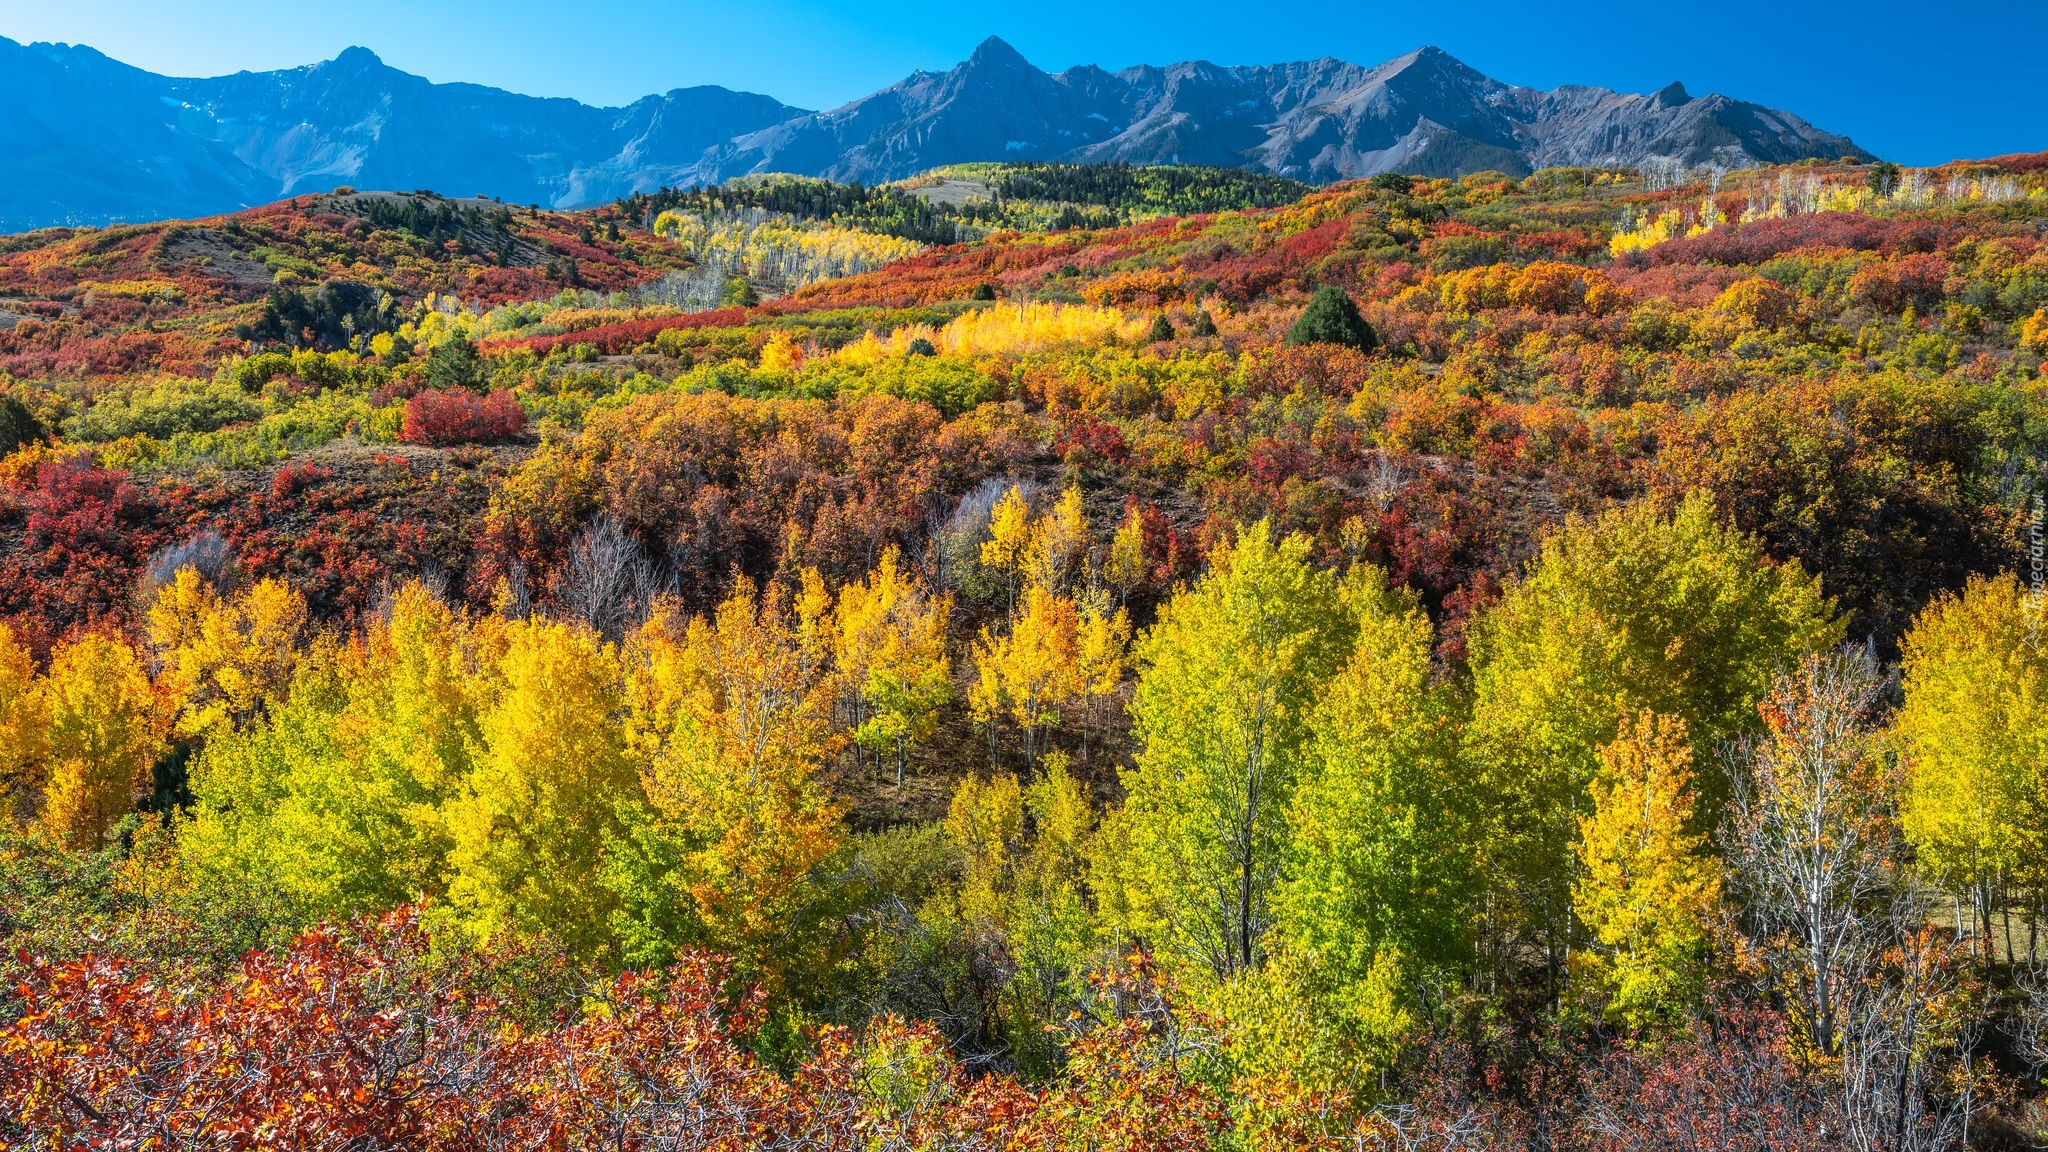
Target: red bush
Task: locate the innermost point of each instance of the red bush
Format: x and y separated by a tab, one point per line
85	530
291	478
453	416
1756	242
1093	442
621	338
364	1038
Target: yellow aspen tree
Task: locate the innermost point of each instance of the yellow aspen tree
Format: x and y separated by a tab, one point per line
1647	888
1051	929
430	687
860	630
731	717
24	724
225	659
1012	543
1125	567
1636	611
1029	674
1060	536
105	732
1973	736
337	800
1103	649
985	825
532	822
891	656
1228	680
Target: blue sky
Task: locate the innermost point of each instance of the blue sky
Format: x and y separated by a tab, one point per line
1916	83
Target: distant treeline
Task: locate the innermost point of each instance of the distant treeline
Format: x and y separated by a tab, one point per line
1026	197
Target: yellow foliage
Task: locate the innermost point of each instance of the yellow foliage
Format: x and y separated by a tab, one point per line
1125	567
1027	675
225	660
24	723
2034	332
1544	285
781	354
1012	541
1475	289
1664	226
779	250
732	716
105	732
144	290
1647	890
985	825
1756	302
530	827
890	649
1973	731
434	689
1060	536
1007	328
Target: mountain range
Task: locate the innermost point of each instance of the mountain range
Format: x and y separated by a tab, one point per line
90	140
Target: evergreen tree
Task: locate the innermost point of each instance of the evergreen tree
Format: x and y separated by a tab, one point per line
1332	318
18	426
738	293
455	364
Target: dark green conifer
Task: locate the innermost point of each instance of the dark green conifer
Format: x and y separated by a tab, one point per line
1332	318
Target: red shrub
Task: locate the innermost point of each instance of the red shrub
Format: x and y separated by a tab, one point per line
1091	442
453	416
86	530
621	338
1756	242
345	1041
1726	1084
293	477
364	1038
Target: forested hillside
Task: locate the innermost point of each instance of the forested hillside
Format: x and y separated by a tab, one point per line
1426	664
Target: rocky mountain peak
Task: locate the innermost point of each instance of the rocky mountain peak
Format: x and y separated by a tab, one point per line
87	141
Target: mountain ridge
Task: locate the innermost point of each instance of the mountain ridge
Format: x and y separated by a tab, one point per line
161	147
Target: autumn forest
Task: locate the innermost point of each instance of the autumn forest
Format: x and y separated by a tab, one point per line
1034	656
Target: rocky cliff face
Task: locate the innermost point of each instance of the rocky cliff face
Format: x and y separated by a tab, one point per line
1424	113
88	139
